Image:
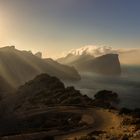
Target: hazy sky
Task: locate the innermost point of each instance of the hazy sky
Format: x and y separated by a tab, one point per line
56	26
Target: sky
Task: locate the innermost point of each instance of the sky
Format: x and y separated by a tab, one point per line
57	26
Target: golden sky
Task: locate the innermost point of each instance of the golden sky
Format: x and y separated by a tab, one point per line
57	26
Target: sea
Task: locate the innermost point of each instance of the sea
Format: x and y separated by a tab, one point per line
127	85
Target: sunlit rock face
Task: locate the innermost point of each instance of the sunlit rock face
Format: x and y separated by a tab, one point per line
17	67
108	64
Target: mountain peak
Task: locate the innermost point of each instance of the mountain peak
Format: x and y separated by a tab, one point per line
17	67
38	54
8	48
106	64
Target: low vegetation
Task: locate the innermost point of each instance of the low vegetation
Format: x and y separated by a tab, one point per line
46	90
106	99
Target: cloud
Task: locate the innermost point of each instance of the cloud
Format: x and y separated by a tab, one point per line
101	50
126	55
92	50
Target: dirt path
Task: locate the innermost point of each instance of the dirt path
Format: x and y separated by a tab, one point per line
101	120
95	118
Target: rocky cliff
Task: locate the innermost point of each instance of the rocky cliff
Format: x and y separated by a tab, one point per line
108	64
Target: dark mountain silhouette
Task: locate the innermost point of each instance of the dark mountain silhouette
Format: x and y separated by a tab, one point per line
45	104
17	67
47	90
107	64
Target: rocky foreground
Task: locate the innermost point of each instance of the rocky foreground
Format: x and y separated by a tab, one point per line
114	129
44	109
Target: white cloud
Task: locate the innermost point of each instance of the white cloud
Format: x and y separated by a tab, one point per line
100	50
92	50
126	55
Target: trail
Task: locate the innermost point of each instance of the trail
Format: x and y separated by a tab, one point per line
103	120
95	118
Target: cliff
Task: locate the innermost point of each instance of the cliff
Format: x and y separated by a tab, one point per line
108	64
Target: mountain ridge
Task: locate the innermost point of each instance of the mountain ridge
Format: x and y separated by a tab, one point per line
107	64
17	67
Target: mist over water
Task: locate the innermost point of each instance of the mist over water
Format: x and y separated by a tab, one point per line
127	85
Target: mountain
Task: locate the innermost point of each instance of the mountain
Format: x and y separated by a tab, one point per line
5	89
38	54
45	90
46	109
17	67
107	64
61	67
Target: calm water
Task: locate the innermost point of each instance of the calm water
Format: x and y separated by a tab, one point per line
127	86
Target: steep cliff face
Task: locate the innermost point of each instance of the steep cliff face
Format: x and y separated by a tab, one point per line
108	64
17	67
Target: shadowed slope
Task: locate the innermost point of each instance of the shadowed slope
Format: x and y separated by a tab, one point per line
46	90
17	67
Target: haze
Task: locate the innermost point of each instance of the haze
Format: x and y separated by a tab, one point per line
57	26
70	69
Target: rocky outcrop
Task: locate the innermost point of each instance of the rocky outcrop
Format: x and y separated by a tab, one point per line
106	99
46	90
38	54
108	64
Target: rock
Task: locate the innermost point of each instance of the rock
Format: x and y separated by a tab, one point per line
38	54
125	137
108	64
96	133
46	90
125	111
106	99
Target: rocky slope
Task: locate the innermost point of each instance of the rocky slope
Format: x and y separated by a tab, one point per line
28	109
45	107
46	90
17	67
5	90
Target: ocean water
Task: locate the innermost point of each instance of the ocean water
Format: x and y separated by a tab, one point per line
127	85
